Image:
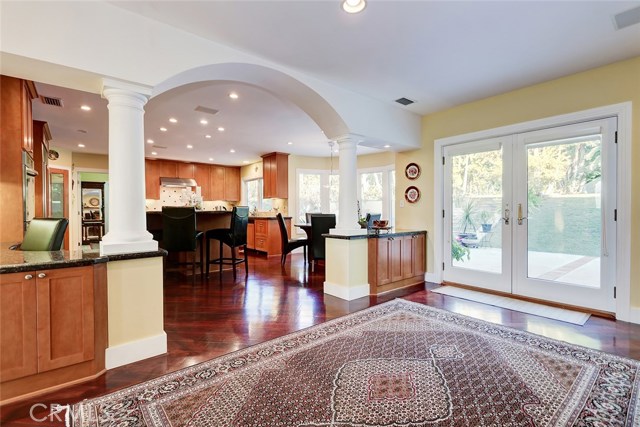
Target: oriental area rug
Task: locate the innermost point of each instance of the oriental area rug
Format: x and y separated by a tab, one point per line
395	364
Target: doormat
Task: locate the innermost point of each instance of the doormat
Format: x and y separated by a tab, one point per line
396	364
556	313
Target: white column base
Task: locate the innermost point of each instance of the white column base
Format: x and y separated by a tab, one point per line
348	231
134	351
348	293
113	248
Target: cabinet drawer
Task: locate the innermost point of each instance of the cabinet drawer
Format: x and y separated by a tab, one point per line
261	243
261	226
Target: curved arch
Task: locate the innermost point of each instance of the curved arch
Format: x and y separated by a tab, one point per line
276	82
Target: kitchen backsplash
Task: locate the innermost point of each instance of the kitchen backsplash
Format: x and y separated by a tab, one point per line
172	196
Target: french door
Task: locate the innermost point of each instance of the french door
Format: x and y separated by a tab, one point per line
533	214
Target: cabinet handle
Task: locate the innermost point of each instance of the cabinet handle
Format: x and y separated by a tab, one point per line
28	277
41	275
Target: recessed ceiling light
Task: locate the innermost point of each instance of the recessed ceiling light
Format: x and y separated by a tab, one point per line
221	129
387	146
233	95
163	129
149	141
81	145
354	6
232	151
85	108
289	143
246	162
211	159
189	146
173	120
207	136
203	121
154	153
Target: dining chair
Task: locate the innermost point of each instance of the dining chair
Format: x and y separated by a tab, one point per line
320	224
289	245
308	216
235	236
44	234
179	234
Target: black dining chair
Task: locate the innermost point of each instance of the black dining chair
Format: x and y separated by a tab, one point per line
235	236
43	234
308	216
320	224
372	217
179	234
289	245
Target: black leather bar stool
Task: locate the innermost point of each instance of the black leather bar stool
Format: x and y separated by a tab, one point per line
289	244
179	234
235	236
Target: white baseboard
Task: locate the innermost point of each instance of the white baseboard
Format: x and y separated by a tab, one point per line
136	350
431	277
348	293
634	315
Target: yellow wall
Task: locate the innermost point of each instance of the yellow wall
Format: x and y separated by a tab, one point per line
135	300
90	161
611	84
64	160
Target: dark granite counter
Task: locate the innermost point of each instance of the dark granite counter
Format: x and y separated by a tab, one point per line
19	261
377	234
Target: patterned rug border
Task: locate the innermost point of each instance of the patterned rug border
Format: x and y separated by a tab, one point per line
195	376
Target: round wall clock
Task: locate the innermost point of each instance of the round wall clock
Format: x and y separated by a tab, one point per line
412	194
412	171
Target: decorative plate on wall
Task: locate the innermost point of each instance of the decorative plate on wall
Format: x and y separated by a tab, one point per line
412	194
94	201
412	171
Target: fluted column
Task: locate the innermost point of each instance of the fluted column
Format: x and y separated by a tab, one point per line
127	218
347	202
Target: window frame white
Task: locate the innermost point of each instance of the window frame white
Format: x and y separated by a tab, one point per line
387	200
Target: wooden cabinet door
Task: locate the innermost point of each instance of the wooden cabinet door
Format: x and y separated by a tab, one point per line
408	256
27	118
185	170
232	184
275	175
251	235
65	317
18	344
201	175
384	261
217	182
396	259
268	181
167	169
420	254
152	179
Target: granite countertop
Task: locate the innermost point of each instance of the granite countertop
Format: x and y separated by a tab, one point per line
377	234
18	261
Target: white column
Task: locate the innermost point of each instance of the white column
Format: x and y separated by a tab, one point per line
347	202
127	217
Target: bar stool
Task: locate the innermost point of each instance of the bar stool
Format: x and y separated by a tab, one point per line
179	234
235	236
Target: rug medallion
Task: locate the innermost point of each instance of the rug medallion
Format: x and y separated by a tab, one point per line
395	364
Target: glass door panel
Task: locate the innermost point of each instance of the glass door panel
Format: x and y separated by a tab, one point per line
564	227
475	203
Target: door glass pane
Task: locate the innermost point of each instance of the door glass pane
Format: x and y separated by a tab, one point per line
309	197
476	181
564	226
57	195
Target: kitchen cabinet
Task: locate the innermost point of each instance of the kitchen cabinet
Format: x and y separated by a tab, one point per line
185	170
232	184
266	236
201	174
217	182
152	179
167	169
396	261
251	236
16	135
52	328
41	138
275	175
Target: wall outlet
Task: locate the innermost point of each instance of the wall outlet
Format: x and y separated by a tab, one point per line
402	203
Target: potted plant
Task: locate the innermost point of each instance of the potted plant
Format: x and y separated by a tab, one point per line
361	219
485	221
467	223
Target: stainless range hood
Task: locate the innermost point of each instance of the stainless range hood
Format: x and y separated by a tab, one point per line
178	182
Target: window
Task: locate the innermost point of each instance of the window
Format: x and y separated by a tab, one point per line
254	196
376	192
317	192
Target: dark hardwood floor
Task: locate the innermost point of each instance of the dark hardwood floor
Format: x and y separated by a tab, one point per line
214	318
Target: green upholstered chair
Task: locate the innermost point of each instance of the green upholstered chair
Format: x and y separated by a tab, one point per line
289	244
235	236
320	224
179	234
44	234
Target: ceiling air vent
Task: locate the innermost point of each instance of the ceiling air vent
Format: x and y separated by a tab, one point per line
48	100
404	101
628	18
206	110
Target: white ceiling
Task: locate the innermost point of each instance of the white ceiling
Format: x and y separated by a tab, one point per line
438	53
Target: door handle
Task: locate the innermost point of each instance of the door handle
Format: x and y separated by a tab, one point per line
28	277
41	275
507	216
520	217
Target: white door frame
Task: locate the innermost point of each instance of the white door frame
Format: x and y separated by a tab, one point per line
623	262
